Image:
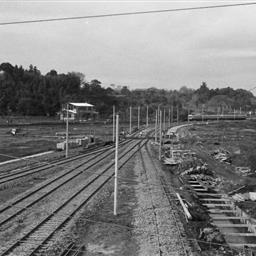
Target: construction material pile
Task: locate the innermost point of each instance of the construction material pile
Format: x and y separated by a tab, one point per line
199	170
222	155
211	235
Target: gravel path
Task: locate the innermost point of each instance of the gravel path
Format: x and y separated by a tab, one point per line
156	226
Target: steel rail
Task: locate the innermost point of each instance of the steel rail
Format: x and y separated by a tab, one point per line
170	200
106	178
30	204
156	224
47	164
33	170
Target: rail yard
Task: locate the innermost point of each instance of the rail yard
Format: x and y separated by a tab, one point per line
51	205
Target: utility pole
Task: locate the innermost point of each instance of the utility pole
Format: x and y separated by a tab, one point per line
156	128
160	136
202	113
164	121
114	113
116	164
172	115
67	132
138	117
169	118
130	120
147	117
177	114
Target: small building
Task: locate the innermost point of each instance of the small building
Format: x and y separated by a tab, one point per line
81	111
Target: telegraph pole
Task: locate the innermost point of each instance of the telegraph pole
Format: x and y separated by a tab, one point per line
130	119
67	132
147	117
116	165
114	113
138	117
160	138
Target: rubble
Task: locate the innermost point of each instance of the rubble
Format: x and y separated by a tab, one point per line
222	155
199	169
239	197
245	171
211	234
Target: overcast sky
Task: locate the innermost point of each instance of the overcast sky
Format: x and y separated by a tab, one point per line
166	50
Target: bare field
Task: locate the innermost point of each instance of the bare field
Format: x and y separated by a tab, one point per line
32	139
239	139
235	142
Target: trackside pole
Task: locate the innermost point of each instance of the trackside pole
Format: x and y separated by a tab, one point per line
164	120
156	128
130	120
160	137
138	117
147	117
114	113
116	165
172	115
177	115
169	118
67	132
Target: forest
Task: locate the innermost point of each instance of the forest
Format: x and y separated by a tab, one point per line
28	92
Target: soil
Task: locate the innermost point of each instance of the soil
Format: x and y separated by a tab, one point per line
37	138
238	138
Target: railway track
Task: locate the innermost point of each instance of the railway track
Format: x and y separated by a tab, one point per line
17	206
21	173
34	242
177	241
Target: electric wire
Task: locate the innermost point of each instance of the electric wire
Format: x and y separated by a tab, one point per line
127	13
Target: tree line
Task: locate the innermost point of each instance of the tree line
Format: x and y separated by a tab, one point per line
28	92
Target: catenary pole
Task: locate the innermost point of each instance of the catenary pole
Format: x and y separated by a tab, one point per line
67	132
202	113
177	114
114	113
147	117
138	117
156	128
169	118
116	165
130	119
160	136
164	121
172	115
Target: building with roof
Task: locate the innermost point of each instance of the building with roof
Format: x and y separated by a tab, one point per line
80	111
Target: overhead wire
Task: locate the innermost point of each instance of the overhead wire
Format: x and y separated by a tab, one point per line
126	13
